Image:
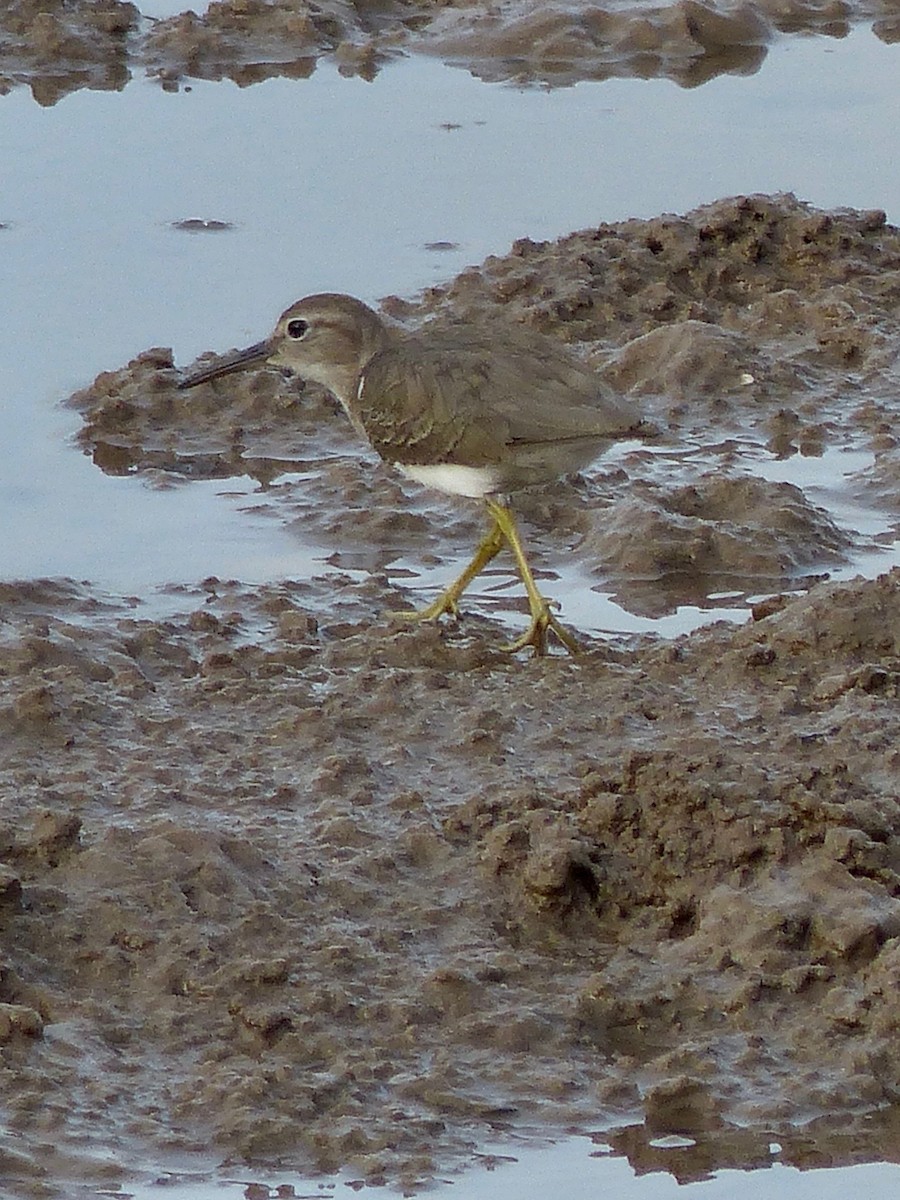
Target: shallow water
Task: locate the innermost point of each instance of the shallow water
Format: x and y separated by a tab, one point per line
577	1169
105	274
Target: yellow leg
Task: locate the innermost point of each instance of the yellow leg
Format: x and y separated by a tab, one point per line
542	620
448	601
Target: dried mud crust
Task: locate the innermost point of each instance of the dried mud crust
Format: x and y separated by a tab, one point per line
58	46
300	889
751	328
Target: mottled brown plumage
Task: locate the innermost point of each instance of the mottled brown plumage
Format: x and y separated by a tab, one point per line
475	412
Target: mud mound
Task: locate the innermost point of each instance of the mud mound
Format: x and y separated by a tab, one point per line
738	534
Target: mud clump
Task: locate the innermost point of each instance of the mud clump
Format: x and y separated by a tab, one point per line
527	42
57	47
708	536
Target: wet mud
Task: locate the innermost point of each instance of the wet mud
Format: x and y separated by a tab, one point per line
283	882
282	885
59	46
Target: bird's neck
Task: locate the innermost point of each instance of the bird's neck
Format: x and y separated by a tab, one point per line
346	379
343	382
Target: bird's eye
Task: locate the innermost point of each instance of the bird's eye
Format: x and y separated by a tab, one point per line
297	328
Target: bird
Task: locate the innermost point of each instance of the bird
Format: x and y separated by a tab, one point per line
469	410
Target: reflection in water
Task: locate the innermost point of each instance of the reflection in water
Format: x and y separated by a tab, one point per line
630	1163
57	48
823	1142
114	458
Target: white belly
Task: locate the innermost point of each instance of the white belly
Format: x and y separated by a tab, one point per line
476	482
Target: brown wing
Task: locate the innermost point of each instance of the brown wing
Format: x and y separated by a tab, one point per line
461	397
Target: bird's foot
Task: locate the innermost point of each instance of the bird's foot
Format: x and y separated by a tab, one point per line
536	635
444	605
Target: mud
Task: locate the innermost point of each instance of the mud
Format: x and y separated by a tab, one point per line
284	883
59	46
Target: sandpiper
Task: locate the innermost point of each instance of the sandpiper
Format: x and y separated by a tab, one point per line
469	411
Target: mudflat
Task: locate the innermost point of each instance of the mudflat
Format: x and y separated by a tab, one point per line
281	881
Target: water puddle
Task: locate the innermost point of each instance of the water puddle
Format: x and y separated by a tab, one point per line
575	1168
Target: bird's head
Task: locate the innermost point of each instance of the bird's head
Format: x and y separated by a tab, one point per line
327	338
